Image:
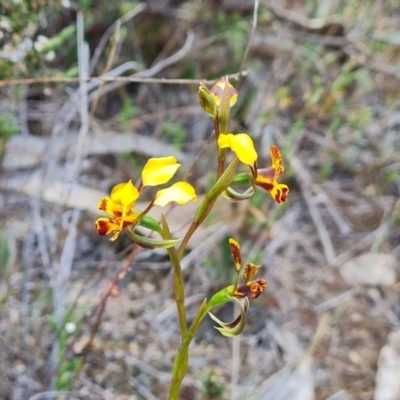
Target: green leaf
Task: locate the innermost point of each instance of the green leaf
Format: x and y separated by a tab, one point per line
152	244
233	195
56	42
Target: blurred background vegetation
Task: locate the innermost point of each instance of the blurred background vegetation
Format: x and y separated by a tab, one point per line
321	81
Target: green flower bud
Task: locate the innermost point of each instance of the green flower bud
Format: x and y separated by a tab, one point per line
206	101
150	223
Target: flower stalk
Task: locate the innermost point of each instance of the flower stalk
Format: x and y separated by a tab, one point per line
179	294
179	287
182	354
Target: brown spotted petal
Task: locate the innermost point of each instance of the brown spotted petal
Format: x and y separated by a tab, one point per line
235	250
249	271
251	290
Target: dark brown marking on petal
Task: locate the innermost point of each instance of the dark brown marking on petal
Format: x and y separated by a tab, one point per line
249	270
102	204
265	185
235	250
102	227
278	197
234	323
126	223
285	192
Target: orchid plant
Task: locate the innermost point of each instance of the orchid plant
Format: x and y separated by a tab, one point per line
123	216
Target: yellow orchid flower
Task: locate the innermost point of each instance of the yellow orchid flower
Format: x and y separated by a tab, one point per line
267	178
119	206
242	294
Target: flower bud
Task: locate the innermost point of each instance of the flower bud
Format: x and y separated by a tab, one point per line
207	101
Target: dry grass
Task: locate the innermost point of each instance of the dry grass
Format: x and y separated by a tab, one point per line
326	94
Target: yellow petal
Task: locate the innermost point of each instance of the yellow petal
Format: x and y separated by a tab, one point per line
109	207
158	171
180	192
279	192
130	218
125	194
241	144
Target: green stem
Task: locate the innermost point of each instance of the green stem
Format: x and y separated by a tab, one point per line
221	152
179	294
221	162
179	287
208	203
216	128
182	355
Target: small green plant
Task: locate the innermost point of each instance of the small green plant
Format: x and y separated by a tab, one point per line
174	133
128	111
26	47
8	127
213	386
68	367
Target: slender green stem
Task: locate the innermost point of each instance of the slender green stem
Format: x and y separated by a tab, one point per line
182	355
179	293
216	128
179	287
224	179
221	162
221	152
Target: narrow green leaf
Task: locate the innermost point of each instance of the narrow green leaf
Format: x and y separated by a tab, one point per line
152	244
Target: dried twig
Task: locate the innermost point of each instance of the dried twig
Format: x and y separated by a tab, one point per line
103	41
110	78
253	30
106	69
64	270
